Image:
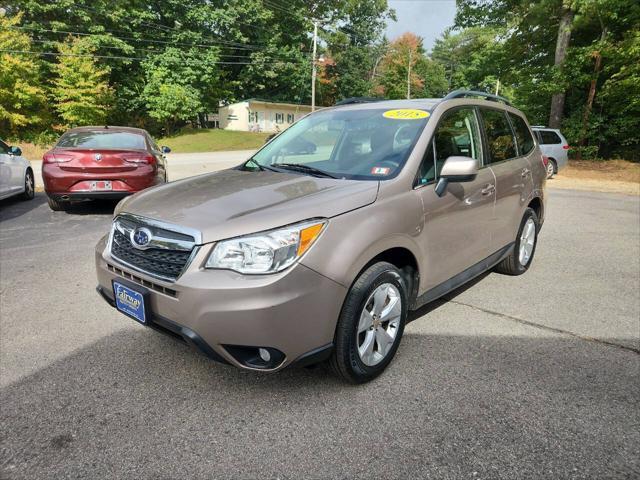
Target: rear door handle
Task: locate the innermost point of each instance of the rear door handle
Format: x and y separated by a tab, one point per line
525	172
488	190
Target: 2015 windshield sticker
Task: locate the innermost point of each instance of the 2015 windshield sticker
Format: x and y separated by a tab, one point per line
405	114
380	170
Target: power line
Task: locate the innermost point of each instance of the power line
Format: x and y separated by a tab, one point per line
164	42
118	57
160	51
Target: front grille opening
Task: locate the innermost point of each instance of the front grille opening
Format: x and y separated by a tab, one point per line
142	281
164	263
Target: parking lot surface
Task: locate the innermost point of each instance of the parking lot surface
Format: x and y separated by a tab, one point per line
535	376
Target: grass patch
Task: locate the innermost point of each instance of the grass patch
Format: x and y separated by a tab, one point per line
213	140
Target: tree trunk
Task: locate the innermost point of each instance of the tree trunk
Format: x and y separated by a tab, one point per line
562	44
592	92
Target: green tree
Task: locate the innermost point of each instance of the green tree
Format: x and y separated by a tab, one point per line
169	102
22	99
80	90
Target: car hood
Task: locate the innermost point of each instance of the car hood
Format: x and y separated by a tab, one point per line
230	203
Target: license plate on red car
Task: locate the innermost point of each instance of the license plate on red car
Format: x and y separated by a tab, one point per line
101	186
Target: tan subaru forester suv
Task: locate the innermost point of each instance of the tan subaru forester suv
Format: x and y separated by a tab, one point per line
316	247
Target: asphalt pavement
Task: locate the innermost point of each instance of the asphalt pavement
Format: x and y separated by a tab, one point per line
536	376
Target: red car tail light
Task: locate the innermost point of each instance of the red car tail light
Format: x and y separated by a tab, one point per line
545	160
140	158
566	147
53	158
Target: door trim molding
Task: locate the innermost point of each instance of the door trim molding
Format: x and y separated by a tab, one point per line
462	277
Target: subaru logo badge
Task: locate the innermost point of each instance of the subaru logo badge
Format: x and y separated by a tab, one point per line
141	237
97	157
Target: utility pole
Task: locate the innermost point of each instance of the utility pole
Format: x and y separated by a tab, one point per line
313	69
409	77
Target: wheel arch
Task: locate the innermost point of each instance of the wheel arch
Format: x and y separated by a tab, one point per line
405	260
537	205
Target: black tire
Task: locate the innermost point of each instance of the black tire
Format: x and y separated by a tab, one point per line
57	205
511	265
29	186
345	360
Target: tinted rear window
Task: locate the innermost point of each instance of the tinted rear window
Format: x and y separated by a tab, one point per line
523	135
502	145
102	139
547	137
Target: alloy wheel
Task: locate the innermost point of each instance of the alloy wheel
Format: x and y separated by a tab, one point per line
379	324
527	241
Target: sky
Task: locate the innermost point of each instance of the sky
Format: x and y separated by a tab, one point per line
426	18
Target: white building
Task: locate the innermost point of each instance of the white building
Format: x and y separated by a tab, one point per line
260	116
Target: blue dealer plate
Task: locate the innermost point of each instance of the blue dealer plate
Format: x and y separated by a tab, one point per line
129	302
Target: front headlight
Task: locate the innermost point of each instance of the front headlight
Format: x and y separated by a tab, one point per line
266	252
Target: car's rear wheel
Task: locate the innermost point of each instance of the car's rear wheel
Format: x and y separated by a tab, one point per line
524	248
551	168
29	185
57	205
371	324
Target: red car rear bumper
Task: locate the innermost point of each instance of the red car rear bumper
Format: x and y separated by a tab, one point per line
60	183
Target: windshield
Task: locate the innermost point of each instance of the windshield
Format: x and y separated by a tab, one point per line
102	140
362	144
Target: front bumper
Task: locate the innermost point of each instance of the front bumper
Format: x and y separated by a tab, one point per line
294	311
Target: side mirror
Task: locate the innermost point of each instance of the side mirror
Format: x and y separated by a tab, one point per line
15	151
165	149
456	169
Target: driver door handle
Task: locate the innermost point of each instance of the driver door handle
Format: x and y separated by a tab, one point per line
488	190
525	172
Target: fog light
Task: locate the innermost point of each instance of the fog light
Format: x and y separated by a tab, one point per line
264	354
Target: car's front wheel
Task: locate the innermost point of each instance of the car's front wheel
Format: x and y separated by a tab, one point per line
371	324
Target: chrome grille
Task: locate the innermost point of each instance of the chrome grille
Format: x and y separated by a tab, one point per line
165	256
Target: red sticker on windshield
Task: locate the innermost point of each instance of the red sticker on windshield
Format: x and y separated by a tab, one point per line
380	170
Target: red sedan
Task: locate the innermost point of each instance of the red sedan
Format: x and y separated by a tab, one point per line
102	162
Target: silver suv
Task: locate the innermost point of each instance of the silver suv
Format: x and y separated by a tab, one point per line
554	146
316	247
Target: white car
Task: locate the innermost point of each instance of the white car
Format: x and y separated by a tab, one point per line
553	146
16	174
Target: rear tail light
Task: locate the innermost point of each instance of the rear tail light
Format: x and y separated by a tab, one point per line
545	160
566	147
140	158
59	158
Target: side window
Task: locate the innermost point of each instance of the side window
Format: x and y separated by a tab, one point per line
290	118
279	118
502	145
154	145
548	137
4	148
523	135
458	134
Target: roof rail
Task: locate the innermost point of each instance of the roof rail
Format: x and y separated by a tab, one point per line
349	101
475	93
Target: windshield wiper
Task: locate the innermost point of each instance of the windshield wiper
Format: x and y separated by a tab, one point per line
305	169
261	167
